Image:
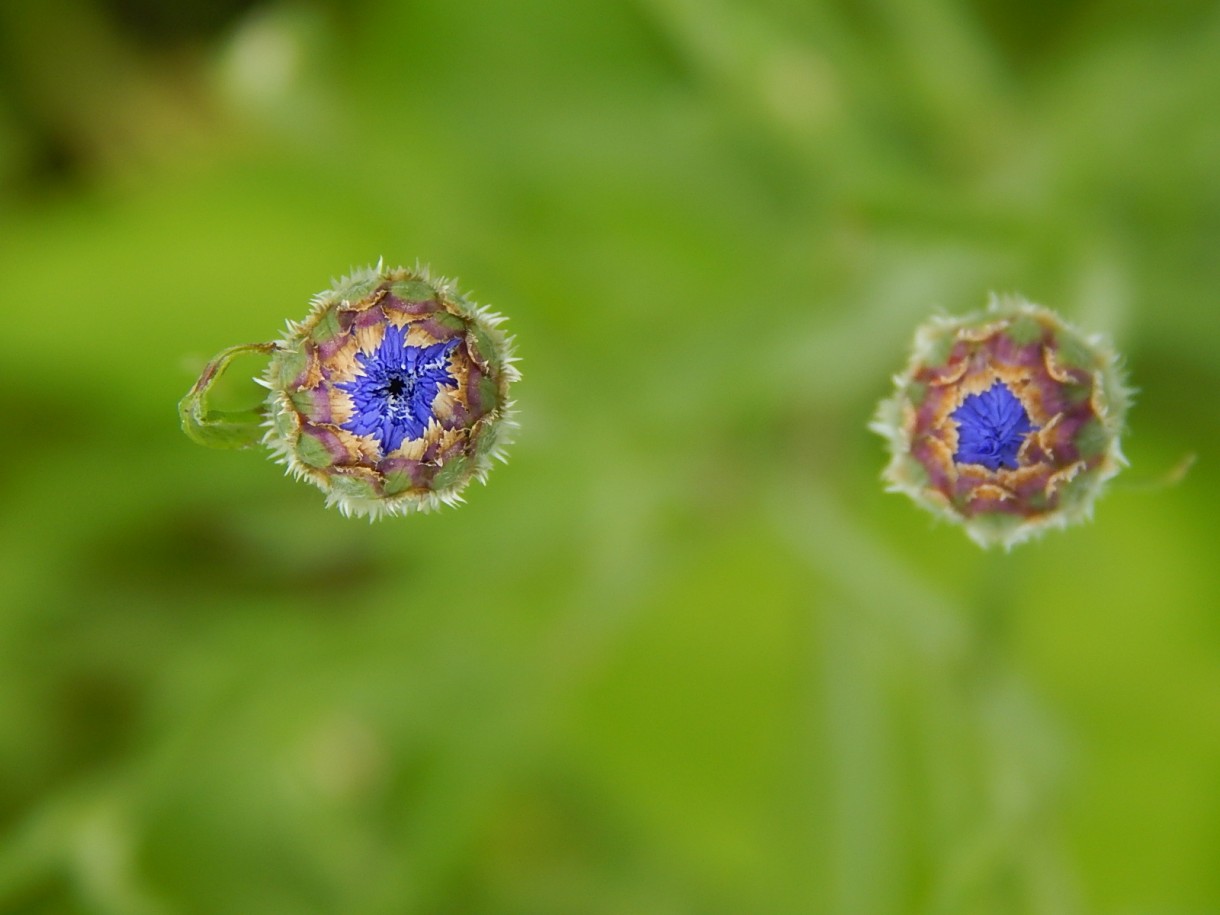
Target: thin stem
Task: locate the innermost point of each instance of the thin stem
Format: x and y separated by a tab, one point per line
221	428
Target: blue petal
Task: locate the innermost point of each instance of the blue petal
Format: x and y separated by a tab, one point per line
393	394
991	428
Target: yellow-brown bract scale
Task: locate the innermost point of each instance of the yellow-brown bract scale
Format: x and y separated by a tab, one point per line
314	421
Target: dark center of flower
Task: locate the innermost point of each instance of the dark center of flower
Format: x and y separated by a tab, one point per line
396	396
991	427
398	386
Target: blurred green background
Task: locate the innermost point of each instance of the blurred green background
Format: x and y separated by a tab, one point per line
683	654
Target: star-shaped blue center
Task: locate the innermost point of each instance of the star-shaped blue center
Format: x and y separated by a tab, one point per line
394	392
991	428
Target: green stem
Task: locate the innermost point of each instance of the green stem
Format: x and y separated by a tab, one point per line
221	428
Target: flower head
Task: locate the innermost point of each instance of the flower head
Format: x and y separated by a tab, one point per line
1006	421
390	396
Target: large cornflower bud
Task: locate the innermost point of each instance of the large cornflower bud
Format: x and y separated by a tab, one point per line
390	396
1006	421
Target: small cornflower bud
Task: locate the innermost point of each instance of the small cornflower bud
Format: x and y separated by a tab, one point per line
390	396
1007	421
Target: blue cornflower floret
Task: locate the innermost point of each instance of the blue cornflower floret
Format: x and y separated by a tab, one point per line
394	393
991	428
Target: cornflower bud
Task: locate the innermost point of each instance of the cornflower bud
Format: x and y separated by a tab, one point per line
1006	421
390	396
